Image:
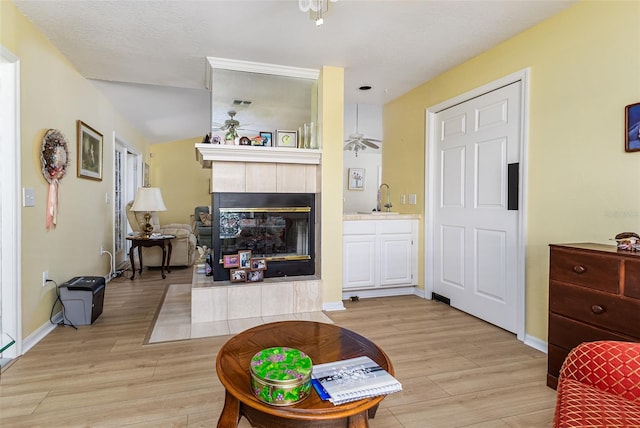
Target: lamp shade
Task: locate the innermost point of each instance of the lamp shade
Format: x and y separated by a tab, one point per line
148	199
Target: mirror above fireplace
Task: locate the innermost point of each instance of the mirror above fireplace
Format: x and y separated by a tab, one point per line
264	97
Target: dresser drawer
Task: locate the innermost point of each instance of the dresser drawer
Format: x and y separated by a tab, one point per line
632	279
595	308
555	358
581	268
566	333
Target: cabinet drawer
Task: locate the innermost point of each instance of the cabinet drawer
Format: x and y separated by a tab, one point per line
588	270
566	333
359	227
394	226
596	308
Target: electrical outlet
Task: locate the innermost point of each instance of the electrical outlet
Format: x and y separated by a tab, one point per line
403	199
101	249
45	278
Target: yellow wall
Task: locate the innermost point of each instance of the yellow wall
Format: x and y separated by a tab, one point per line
582	186
54	95
173	168
331	119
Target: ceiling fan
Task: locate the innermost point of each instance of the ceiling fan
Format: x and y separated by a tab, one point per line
231	126
357	141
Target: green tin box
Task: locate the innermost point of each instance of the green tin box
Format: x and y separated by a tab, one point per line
281	376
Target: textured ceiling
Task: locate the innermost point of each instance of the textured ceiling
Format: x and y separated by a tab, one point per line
148	57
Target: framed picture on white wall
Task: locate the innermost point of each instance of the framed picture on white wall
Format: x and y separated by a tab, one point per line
356	179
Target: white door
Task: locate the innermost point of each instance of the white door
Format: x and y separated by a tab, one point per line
475	253
127	178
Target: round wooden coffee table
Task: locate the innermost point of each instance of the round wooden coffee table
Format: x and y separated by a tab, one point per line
323	343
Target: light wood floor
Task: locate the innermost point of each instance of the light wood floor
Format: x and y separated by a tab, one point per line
456	371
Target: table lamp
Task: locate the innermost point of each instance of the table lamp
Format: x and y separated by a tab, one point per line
148	199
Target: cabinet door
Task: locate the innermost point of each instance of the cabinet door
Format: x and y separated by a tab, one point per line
396	259
359	261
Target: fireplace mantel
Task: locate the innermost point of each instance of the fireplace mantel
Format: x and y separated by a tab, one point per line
208	153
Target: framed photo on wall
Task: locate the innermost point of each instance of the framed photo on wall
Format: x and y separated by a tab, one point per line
145	175
356	179
632	128
286	138
90	146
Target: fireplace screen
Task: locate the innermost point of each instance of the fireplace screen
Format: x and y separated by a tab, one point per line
273	233
278	227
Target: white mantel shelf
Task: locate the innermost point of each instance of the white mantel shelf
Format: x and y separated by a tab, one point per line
207	153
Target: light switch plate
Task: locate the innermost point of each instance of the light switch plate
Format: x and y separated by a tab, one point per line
413	199
28	197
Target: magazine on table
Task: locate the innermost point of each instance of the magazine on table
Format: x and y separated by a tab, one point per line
353	379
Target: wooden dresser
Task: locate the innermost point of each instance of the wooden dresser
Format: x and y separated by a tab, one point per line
594	294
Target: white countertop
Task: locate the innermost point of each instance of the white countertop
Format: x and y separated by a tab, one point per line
379	216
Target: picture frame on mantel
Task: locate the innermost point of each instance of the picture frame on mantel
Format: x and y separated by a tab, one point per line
286	138
632	128
266	138
238	275
90	148
356	179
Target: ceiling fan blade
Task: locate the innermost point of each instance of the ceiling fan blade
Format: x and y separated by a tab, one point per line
373	139
370	144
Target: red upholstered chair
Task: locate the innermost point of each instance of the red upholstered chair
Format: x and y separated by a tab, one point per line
599	386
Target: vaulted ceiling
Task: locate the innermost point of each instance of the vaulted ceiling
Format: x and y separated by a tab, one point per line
148	57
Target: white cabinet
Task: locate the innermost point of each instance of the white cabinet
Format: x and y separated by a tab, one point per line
379	254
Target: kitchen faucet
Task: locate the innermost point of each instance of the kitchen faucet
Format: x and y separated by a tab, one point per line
388	204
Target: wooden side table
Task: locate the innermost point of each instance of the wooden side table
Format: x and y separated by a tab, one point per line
162	241
323	343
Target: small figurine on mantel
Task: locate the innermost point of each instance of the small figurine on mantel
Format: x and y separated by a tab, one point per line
628	241
207	139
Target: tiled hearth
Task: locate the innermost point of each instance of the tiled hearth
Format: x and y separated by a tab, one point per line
223	300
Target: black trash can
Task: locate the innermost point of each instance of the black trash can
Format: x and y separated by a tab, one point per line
83	298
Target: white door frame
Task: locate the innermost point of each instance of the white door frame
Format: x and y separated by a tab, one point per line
429	209
11	224
129	182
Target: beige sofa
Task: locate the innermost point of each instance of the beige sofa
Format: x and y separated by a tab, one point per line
184	251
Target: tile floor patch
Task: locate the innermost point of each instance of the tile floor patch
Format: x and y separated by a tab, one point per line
173	319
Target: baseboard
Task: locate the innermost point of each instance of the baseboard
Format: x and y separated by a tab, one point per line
382	292
40	333
536	343
333	306
419	292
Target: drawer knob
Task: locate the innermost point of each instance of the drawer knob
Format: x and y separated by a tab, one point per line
579	269
597	309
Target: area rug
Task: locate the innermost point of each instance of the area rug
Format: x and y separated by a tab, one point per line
172	320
